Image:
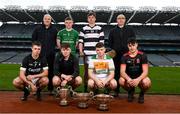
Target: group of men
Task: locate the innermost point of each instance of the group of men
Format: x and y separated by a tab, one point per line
128	68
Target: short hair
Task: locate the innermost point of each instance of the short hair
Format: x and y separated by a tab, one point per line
121	16
47	15
65	45
99	45
91	13
132	41
68	19
37	43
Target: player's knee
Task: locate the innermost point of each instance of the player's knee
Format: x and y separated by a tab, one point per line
16	82
122	81
78	80
56	81
90	83
45	81
146	83
113	84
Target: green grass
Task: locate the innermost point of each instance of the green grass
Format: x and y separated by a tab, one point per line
7	73
165	80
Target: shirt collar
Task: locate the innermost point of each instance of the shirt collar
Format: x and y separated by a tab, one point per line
104	56
62	57
45	27
90	26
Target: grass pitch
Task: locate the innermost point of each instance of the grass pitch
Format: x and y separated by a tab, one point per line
165	80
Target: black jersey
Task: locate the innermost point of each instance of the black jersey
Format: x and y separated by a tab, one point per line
134	64
33	66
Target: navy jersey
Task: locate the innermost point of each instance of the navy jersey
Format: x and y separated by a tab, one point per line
134	64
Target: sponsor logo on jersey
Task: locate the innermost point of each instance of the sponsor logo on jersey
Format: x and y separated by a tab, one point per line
137	60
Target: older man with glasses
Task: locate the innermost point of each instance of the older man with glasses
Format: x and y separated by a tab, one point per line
118	38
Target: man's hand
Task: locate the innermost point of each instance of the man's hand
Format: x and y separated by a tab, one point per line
105	82
130	82
30	77
63	83
69	78
63	76
100	83
135	82
66	77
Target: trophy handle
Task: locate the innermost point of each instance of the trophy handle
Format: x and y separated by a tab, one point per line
58	89
91	93
70	88
74	94
94	98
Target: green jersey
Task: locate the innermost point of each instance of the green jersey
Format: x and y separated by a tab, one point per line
70	37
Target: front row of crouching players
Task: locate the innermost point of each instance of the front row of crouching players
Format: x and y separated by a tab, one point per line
66	68
33	73
134	71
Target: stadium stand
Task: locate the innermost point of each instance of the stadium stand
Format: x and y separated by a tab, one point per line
4	56
158	60
160	40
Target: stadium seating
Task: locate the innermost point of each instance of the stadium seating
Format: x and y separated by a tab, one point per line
154	28
151	38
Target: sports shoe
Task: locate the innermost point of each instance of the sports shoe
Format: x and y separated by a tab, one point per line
131	94
38	93
141	97
26	94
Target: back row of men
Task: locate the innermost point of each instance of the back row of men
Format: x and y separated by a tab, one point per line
128	67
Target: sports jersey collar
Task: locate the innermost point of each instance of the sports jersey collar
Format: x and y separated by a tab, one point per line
121	28
33	58
68	30
134	56
90	26
62	57
104	56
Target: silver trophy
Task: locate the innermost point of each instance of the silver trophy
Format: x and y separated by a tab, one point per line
83	99
103	100
64	94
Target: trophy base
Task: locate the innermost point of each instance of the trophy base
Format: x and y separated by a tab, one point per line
82	105
103	107
63	103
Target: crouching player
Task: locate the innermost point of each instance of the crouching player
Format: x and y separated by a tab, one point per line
101	70
33	73
66	68
134	71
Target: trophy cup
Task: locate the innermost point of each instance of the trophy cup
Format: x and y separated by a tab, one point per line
64	95
83	99
102	100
